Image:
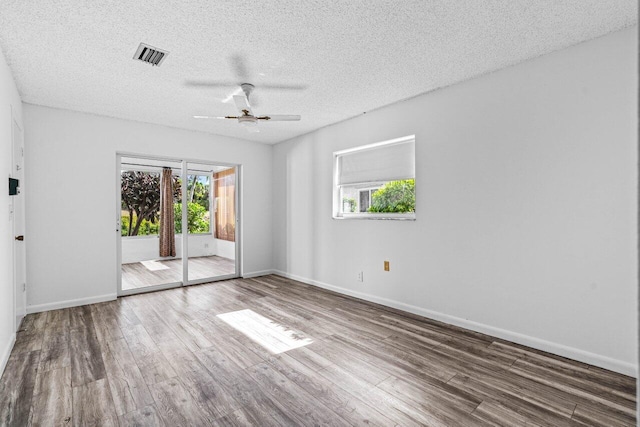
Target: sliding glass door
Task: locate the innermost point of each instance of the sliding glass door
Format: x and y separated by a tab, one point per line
176	223
149	203
211	216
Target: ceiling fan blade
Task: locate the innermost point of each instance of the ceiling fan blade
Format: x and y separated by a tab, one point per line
214	117
210	83
280	117
281	87
228	83
242	103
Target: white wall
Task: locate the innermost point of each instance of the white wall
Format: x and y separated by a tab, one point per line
71	212
526	184
225	249
144	248
9	98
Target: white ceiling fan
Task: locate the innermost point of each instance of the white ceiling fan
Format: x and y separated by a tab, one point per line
247	118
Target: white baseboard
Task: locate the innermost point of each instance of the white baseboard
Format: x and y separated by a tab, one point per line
108	297
537	343
70	303
258	273
6	353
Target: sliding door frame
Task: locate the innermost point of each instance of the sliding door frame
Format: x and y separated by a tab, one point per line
185	235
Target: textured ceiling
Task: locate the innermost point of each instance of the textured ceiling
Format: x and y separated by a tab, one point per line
351	56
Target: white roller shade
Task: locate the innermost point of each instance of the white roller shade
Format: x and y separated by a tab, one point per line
379	163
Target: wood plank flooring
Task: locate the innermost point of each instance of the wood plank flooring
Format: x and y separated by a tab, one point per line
167	359
136	275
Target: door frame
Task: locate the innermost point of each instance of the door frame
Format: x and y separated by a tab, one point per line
19	263
184	236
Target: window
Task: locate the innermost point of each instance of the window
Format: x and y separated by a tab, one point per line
365	199
376	181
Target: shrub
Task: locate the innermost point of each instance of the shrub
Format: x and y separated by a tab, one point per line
146	227
197	218
395	197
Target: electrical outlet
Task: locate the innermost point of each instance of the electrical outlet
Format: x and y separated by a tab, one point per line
386	266
206	246
361	276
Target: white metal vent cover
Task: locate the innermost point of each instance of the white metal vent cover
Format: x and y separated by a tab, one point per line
150	55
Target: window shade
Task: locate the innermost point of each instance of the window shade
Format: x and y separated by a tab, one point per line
377	164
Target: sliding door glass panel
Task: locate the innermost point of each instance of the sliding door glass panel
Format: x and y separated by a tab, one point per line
150	223
211	214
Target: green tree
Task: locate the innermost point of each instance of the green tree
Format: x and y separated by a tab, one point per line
141	198
196	218
198	190
395	197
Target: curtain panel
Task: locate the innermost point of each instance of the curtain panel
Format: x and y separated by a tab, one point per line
225	216
167	233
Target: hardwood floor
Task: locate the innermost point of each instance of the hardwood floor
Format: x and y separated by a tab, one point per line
138	275
168	359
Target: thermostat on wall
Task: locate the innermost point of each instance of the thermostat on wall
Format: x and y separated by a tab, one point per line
14	187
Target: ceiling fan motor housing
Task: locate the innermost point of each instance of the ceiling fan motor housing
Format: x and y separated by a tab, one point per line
247	119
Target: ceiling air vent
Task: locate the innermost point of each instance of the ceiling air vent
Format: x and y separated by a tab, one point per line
150	54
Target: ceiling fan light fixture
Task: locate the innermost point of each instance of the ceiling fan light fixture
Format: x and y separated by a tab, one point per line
249	122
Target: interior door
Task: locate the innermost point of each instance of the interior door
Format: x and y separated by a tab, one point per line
19	265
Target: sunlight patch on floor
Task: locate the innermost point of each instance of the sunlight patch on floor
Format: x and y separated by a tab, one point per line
271	335
154	265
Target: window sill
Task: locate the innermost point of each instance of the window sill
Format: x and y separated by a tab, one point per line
378	216
155	236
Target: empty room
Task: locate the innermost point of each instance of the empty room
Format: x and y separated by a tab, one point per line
319	213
